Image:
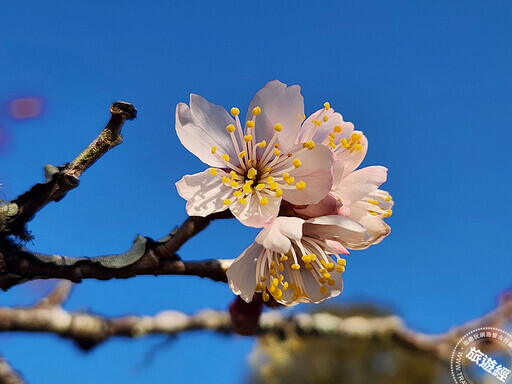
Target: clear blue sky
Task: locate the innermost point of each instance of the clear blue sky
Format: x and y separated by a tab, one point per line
429	83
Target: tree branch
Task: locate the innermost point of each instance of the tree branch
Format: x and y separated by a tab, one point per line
89	330
60	180
7	374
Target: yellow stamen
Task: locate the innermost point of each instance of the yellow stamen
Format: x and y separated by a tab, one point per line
326	118
278	127
266	296
358	147
260	186
388	198
309	145
227	202
290	180
317	123
264	201
270	179
277	152
279	192
230	128
225	157
235	111
256	111
337	129
297	163
234	184
251	173
262	144
323	290
247	138
214	149
263	279
242	154
250	124
237	193
296	266
300	185
213	171
374	202
225	179
340	268
327	105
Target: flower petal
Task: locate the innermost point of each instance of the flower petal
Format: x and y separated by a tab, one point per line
333	227
241	274
360	183
203	126
317	129
253	214
327	206
375	226
315	171
204	193
276	236
353	159
279	104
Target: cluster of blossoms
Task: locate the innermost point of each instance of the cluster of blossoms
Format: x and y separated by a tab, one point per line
295	178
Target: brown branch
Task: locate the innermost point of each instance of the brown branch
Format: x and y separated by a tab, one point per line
7	374
146	257
60	180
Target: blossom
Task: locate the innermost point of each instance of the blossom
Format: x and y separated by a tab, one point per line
355	194
255	166
295	260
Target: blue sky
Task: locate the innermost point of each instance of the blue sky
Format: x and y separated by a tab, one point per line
428	83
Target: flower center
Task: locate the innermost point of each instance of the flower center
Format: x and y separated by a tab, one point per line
261	169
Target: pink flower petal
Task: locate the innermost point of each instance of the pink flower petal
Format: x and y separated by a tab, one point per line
276	235
205	194
203	126
253	214
241	274
315	171
360	183
279	104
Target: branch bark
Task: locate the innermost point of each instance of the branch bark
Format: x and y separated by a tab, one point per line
89	330
7	374
60	180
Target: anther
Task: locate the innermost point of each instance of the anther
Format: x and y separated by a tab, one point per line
290	180
250	124
247	138
277	152
278	127
234	184
327	105
225	179
326	118
317	123
266	296
297	163
235	111
323	290
264	201
256	111
337	129
279	192
251	173
262	144
358	147
309	145
225	157
296	266
300	185
230	128
237	194
213	171
227	202
214	149
242	154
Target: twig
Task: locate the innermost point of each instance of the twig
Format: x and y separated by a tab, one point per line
60	180
7	374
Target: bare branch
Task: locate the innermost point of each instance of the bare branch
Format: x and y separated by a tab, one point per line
89	330
146	257
56	297
7	374
60	180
